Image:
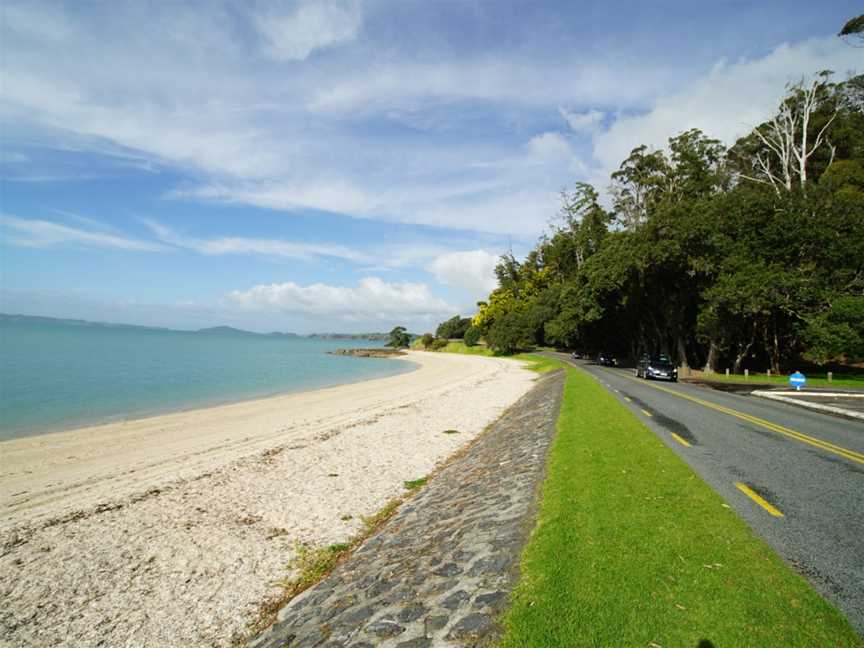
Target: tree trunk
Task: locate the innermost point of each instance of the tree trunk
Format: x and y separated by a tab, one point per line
775	352
682	353
711	361
742	353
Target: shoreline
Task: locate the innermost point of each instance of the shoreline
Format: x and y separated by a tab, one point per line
125	418
172	530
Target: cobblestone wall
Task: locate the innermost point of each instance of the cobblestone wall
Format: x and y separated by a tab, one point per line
439	573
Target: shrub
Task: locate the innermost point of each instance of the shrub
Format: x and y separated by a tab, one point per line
399	338
426	340
472	336
507	334
454	328
438	344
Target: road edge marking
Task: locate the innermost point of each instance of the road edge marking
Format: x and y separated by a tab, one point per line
827	446
647	413
681	440
753	495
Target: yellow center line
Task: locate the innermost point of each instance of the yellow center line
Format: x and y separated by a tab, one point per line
749	492
681	440
646	413
846	453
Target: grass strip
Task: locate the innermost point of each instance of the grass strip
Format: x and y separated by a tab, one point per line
312	563
632	548
415	483
813	380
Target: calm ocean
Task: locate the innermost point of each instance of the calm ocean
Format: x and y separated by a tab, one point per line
60	376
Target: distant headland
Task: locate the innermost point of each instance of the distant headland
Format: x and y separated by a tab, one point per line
223	331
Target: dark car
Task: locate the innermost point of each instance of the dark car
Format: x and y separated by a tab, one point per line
657	366
606	360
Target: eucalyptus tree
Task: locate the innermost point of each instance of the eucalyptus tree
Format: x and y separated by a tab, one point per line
786	143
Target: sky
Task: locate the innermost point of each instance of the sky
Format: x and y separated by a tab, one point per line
346	165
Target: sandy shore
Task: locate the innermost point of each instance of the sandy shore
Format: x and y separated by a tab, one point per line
170	530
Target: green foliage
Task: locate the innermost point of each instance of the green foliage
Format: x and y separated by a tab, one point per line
698	261
472	336
399	338
508	334
415	483
837	333
439	343
454	328
853	26
426	340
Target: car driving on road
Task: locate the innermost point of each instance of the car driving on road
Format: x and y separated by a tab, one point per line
606	359
657	366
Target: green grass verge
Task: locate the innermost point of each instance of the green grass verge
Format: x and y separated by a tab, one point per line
415	483
813	380
461	347
632	548
537	363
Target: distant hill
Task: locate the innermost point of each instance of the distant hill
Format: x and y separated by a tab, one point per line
58	321
224	331
350	336
235	332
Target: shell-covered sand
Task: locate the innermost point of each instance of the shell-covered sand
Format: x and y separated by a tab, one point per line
170	531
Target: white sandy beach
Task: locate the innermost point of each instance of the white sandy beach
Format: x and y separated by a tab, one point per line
170	530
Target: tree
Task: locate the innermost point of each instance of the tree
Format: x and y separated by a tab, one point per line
638	184
399	338
837	333
426	340
788	141
439	344
507	335
472	336
454	328
853	31
706	265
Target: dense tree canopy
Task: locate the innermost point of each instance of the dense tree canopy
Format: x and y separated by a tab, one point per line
747	257
399	338
454	328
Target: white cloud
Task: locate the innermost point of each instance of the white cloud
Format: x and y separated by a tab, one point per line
314	24
45	26
43	234
11	157
582	122
550	147
728	101
472	272
372	298
406	85
256	132
242	245
375	257
486	206
336	195
319	135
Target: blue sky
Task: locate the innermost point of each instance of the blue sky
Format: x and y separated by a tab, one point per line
345	165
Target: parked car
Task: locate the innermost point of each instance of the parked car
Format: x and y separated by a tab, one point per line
576	355
657	366
606	359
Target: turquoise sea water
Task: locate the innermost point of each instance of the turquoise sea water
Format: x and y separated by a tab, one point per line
60	376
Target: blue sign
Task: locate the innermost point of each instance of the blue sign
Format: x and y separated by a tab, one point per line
797	380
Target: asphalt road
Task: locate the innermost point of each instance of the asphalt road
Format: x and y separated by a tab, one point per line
804	472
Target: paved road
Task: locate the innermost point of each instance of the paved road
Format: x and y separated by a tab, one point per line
801	473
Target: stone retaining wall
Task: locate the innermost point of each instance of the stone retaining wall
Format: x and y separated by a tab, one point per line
439	573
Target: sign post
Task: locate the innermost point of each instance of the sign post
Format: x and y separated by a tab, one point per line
797	380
